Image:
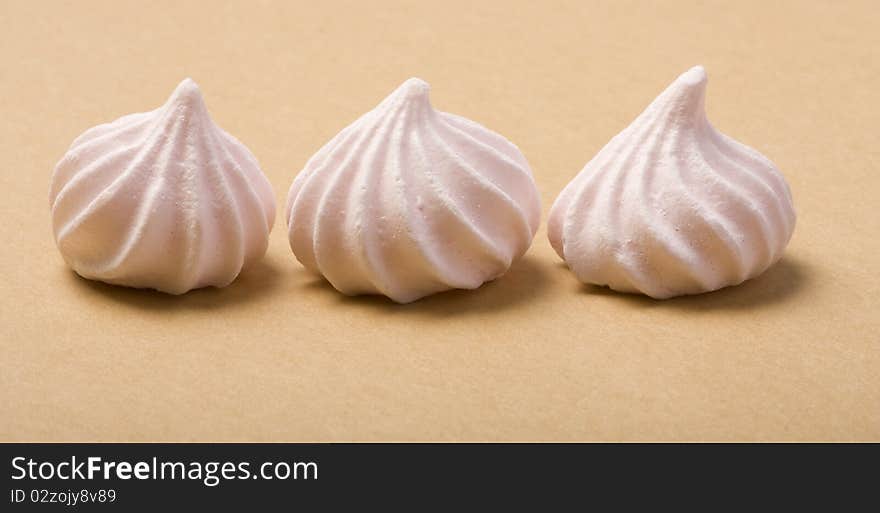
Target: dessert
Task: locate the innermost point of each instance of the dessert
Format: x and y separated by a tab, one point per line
408	201
671	206
163	199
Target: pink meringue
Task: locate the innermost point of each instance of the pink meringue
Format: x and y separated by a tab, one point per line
408	201
163	199
671	206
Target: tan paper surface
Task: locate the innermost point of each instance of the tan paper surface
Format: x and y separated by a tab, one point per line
281	356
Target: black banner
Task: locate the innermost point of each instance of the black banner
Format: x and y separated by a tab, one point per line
133	477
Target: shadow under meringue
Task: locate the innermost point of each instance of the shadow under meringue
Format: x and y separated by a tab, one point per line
254	282
782	281
526	280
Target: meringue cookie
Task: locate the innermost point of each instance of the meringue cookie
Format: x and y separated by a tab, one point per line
162	199
671	206
408	201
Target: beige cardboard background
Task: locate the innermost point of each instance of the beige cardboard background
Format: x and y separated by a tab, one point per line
279	355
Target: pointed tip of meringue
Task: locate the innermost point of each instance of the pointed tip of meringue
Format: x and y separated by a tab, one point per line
694	76
688	91
414	88
187	94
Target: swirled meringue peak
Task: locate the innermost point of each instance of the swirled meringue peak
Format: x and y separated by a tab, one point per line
408	201
162	199
670	206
